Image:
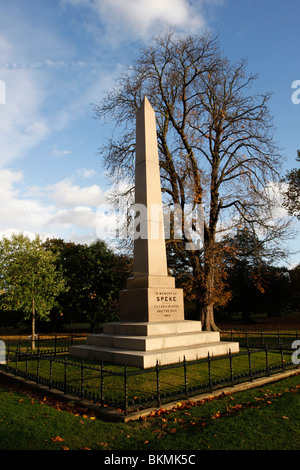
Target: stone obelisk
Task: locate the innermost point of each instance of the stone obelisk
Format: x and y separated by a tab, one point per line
152	326
150	294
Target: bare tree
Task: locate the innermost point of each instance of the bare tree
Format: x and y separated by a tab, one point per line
215	142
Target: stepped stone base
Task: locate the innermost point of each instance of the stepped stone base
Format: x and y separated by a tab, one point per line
142	344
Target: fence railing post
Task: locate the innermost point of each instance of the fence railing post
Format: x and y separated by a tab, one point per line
157	384
267	360
278	338
38	369
281	355
51	368
16	361
185	375
26	365
65	376
209	371
231	367
125	390
250	365
81	378
102	385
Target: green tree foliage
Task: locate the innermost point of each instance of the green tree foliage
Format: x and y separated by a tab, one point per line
95	275
30	280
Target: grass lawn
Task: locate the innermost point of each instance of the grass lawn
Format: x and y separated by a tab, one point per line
266	418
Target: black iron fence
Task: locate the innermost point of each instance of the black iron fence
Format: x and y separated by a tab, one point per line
129	389
45	344
60	343
261	338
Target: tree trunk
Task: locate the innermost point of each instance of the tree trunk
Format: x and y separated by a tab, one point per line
207	311
207	318
33	325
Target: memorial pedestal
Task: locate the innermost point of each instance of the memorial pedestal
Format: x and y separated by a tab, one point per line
142	344
151	304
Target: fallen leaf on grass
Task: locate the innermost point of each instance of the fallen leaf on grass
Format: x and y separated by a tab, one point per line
57	439
285	417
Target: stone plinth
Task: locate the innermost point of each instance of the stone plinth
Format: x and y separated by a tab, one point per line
151	304
142	344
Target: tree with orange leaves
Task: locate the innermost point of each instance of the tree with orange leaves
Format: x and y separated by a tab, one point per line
215	142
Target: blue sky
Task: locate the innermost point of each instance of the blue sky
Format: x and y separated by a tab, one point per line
58	58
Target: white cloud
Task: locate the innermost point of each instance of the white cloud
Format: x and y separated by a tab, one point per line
82	217
144	18
86	173
59	153
70	216
18	213
66	194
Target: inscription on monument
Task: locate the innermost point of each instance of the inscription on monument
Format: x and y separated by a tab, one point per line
166	303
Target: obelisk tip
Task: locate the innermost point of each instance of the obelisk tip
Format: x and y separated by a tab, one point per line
145	103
